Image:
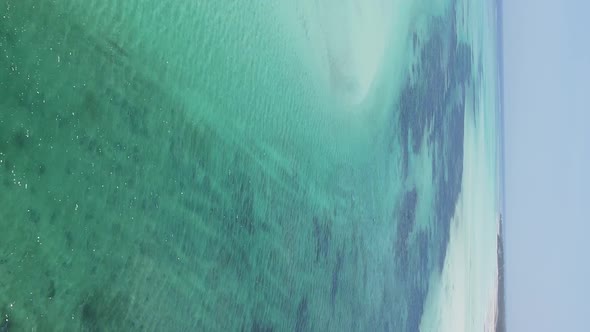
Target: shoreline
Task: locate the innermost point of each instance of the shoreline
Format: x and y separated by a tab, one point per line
500	296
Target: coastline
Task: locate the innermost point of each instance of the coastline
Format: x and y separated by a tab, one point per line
501	295
500	325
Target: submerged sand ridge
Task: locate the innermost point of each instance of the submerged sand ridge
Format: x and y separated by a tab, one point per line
354	35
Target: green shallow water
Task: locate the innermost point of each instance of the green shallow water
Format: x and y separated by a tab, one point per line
186	167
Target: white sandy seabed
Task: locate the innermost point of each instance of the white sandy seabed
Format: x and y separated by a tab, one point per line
350	41
355	36
361	44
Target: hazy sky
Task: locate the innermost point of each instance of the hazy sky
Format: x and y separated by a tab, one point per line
547	100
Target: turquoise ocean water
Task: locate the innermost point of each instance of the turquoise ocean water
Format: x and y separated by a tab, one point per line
247	166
